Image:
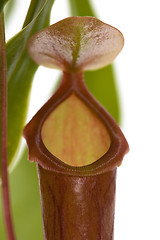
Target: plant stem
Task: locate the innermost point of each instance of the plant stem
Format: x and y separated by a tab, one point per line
4	163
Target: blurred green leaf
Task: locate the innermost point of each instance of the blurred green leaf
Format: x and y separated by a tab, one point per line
2	4
21	70
26	202
101	82
8	9
81	8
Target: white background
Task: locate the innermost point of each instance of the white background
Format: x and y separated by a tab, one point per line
138	77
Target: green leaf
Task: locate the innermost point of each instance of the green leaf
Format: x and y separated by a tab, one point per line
81	8
2	4
105	91
8	9
21	70
25	200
